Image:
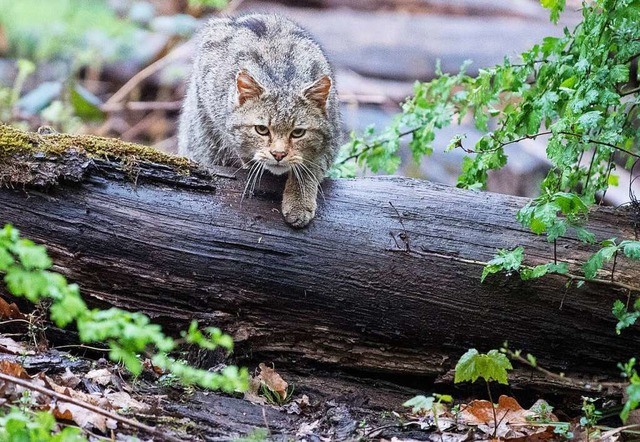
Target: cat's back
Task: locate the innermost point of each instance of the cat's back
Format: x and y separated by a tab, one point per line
276	50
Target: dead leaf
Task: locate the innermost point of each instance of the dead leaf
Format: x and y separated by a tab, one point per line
83	417
8	345
9	311
13	369
514	422
273	380
100	376
121	400
306	429
69	379
252	394
297	406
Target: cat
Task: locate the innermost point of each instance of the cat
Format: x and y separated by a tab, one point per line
262	96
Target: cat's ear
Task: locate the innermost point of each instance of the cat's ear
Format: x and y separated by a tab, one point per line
318	92
248	87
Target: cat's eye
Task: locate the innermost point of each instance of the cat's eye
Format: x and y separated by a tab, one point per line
298	132
262	130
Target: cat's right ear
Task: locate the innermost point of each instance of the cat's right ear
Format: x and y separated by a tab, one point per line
248	87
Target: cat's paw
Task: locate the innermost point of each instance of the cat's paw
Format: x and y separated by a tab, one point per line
297	216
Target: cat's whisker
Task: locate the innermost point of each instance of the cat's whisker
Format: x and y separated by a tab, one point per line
255	178
299	179
264	167
252	171
244	166
314	179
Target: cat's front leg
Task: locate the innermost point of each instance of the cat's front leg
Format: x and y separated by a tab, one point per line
299	201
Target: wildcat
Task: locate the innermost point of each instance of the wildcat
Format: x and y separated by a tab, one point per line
262	96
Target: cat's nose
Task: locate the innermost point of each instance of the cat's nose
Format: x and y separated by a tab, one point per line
278	154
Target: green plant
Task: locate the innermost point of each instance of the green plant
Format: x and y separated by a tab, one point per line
127	334
576	92
82	32
273	397
35	427
256	435
590	416
9	95
492	366
429	404
218	4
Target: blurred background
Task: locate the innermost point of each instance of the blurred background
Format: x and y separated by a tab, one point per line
118	68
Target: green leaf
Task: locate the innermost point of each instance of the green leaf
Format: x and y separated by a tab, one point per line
631	249
32	256
504	260
420	404
556	7
597	260
585	236
624	317
85	104
633	398
590	120
492	366
6	260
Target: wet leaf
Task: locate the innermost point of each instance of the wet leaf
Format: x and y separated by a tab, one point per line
85	104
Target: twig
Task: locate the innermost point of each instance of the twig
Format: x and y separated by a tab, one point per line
369	147
64	398
232	6
606	435
404	236
266	423
142	106
88	347
564	379
145	73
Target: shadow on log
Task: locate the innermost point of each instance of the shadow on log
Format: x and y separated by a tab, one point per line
385	280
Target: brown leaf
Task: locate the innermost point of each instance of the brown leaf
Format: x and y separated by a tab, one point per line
69	379
13	369
80	415
120	400
101	376
8	345
273	380
513	420
9	311
252	394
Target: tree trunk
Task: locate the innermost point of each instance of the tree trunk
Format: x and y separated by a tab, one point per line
386	279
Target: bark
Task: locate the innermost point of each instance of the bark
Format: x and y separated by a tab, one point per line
386	279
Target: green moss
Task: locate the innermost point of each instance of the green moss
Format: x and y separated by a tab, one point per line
15	141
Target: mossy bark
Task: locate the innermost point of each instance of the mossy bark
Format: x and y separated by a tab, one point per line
45	160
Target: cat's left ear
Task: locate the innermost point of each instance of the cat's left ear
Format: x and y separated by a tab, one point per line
318	92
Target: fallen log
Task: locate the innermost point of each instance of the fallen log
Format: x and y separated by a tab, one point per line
386	279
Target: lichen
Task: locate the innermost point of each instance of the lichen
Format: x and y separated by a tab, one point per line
14	141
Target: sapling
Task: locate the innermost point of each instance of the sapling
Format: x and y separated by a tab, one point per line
491	366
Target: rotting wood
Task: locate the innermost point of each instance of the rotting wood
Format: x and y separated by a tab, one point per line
382	288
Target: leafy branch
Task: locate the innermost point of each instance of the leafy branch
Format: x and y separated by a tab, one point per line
127	334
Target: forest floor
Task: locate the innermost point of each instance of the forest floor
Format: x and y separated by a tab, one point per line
318	404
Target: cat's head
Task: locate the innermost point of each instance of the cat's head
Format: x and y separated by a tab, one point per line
279	128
